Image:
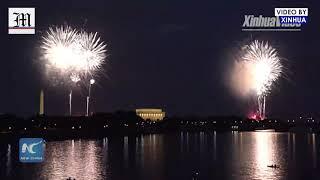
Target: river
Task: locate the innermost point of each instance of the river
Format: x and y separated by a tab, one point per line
183	155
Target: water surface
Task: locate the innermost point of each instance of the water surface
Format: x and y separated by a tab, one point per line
205	155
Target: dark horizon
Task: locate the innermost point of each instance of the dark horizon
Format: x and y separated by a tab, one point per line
169	55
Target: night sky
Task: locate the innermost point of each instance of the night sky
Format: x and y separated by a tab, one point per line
166	54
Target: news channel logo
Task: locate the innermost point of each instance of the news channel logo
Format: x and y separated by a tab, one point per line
21	20
31	150
284	19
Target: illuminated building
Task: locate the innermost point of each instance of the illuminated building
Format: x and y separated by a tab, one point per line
151	114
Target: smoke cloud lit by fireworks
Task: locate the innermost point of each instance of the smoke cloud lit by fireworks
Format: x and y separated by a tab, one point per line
255	72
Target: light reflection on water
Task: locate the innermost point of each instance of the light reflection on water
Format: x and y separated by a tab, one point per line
265	152
8	163
220	155
74	158
314	150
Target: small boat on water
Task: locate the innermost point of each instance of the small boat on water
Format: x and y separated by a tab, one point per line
273	166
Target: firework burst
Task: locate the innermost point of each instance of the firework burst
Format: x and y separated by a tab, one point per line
58	48
93	51
73	53
75	77
265	66
255	71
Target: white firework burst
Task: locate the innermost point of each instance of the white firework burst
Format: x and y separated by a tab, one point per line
255	71
264	65
58	48
75	77
69	51
93	51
